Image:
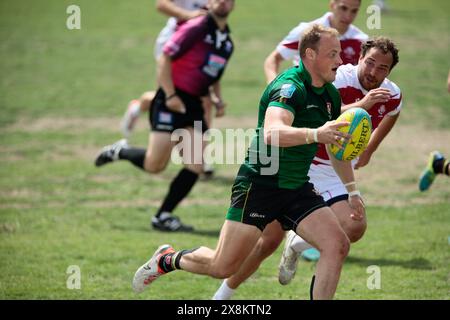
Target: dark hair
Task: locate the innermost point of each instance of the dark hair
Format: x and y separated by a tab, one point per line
384	44
311	37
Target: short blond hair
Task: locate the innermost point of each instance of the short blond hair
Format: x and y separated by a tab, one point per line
311	36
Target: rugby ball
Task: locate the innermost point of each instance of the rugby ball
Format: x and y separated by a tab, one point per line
360	128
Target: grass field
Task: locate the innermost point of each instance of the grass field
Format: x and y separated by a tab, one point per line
62	93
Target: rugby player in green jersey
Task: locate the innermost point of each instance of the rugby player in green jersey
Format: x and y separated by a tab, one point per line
296	112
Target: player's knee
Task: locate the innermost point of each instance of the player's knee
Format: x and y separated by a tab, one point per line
338	247
357	231
343	247
196	168
152	167
268	246
224	271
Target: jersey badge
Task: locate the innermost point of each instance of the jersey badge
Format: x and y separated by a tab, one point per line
215	65
287	90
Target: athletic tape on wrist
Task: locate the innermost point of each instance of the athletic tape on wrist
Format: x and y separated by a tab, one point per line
354	193
307	136
350	183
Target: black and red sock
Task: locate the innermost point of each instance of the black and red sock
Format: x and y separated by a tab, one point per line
171	261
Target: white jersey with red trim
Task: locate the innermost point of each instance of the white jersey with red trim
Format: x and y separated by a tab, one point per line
350	41
321	173
172	22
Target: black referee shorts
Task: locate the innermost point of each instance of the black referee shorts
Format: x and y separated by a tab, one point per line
164	120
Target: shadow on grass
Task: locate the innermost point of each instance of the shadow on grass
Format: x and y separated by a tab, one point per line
197	232
206	233
219	180
416	263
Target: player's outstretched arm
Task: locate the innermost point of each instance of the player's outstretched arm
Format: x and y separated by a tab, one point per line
169	8
278	130
173	102
370	99
345	172
272	65
376	138
215	92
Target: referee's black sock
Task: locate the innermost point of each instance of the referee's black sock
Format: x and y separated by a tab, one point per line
179	189
135	155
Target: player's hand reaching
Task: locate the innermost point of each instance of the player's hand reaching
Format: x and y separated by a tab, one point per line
375	96
329	134
220	107
357	205
194	13
174	103
363	159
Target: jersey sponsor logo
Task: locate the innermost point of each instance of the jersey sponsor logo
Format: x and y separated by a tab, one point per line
256	215
164	127
329	109
228	46
220	38
165	117
287	90
311	106
381	110
215	65
316	192
171	48
209	39
349	52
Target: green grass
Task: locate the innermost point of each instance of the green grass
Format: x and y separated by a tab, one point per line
62	94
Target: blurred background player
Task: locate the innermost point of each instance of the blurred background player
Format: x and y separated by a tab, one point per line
365	86
437	164
341	16
381	4
193	59
448	82
179	12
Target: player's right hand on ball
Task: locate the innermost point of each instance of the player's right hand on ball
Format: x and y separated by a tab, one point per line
329	133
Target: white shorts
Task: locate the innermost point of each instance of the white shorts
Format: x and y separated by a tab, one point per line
164	36
326	181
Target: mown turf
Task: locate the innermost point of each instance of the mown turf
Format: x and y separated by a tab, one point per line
62	93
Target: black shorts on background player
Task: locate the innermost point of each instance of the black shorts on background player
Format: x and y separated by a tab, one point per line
164	120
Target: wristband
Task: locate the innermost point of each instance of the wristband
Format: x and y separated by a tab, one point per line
354	193
350	184
315	135
171	96
307	136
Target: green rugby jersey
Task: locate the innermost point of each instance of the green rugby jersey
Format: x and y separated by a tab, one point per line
287	167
